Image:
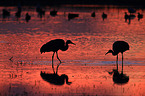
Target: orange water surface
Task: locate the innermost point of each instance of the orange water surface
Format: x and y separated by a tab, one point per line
85	63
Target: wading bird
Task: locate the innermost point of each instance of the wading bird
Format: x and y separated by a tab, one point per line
54	46
140	16
93	14
53	13
104	16
28	17
72	16
5	13
119	46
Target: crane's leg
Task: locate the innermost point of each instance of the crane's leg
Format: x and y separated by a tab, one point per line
52	62
122	63
57	68
117	62
58	57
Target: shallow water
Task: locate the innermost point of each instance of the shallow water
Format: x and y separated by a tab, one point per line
93	37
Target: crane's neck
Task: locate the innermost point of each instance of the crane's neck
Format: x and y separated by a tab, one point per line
113	53
65	47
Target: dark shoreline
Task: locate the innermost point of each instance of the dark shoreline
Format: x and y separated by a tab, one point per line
137	3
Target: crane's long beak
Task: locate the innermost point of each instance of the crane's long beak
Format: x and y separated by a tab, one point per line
73	43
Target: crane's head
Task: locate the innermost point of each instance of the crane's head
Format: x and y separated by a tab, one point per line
65	78
43	49
110	51
70	42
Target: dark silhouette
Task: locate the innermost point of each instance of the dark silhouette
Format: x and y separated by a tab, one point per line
55	78
119	46
126	17
5	13
131	10
104	16
119	78
140	3
72	16
53	13
93	14
40	11
28	17
140	16
11	58
54	46
18	14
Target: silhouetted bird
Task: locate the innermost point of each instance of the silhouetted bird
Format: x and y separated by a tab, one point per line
19	10
119	78
40	12
126	16
104	16
93	14
131	17
119	46
140	16
131	10
53	13
54	46
55	78
18	14
28	17
5	13
72	16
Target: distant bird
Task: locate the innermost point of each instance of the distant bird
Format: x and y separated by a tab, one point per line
119	46
93	14
119	78
53	13
126	16
55	78
131	10
18	14
54	46
11	58
72	16
19	10
129	17
104	16
140	16
28	17
5	13
40	12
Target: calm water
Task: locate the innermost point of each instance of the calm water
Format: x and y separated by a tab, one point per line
93	38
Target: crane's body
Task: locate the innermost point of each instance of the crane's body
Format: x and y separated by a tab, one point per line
120	46
54	46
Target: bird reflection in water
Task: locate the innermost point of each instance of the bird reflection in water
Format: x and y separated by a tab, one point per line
54	78
119	78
